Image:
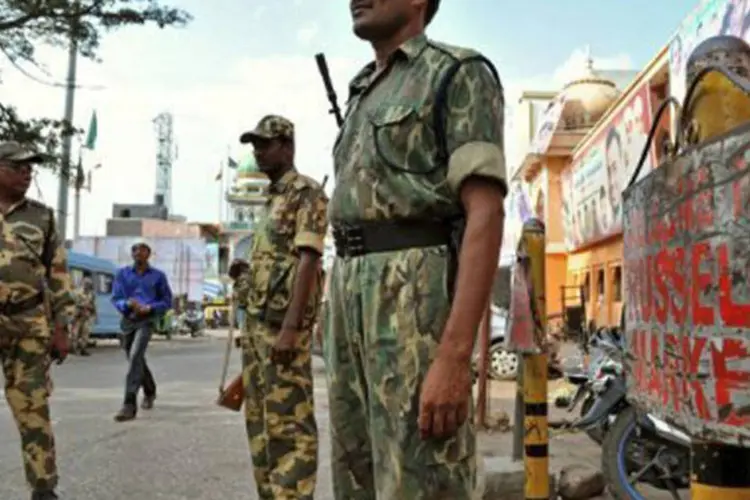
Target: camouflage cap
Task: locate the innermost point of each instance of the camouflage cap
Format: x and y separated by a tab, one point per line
13	152
270	127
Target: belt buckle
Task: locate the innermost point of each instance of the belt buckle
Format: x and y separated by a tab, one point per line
350	239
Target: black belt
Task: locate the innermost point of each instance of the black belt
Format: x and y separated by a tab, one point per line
15	308
353	240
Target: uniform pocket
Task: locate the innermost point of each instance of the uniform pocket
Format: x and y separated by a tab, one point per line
398	133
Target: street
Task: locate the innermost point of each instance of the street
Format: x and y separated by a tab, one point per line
187	447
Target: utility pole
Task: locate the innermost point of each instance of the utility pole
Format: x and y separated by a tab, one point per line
79	180
70	88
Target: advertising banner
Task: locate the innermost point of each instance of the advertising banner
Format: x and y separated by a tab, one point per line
709	18
592	186
547	125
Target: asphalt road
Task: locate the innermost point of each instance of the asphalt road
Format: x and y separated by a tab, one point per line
186	448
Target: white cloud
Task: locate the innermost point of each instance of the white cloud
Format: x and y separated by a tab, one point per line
308	33
258	12
208	120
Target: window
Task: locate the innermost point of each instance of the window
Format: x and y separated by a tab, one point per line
600	284
587	287
103	283
77	275
617	284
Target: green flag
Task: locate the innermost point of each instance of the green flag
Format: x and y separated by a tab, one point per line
92	133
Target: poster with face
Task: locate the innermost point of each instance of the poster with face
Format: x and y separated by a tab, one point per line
600	172
709	18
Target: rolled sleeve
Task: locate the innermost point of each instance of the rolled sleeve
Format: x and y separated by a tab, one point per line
311	223
474	131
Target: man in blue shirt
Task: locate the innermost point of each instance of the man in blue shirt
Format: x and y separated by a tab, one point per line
142	295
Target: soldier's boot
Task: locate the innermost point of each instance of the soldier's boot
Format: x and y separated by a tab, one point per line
128	410
44	495
83	352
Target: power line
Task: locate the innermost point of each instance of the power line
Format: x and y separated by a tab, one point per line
47	83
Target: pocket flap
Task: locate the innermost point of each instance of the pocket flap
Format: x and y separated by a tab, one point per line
391	114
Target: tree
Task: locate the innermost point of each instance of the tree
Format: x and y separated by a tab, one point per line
26	24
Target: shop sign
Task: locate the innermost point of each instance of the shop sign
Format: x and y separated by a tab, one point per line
687	293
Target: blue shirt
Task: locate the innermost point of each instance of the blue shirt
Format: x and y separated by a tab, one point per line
150	288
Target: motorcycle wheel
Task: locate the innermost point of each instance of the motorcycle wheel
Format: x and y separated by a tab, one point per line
596	435
614	462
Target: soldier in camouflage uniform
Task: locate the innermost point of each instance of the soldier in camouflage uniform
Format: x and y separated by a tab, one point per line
85	316
284	287
416	198
32	265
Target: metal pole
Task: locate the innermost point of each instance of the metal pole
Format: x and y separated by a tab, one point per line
484	347
77	200
70	88
518	415
535	366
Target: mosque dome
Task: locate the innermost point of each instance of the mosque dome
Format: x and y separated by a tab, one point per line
587	98
248	169
249	186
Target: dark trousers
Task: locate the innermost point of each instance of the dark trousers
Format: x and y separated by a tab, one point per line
135	337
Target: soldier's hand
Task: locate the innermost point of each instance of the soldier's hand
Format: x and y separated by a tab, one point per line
445	397
286	344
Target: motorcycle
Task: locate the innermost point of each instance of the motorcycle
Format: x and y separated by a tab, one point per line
596	387
192	322
637	447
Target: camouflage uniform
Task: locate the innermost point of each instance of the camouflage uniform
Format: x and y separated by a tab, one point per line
85	315
29	238
279	410
386	311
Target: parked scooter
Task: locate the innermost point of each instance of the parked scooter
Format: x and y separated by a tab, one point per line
192	322
596	386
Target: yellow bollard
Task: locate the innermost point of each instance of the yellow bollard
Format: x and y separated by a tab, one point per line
719	472
536	429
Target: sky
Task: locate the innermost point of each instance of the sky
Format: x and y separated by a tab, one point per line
241	59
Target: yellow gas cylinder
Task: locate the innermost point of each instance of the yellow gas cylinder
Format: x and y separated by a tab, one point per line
717	104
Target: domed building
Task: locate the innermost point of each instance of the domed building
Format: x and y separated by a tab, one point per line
569	118
588	141
586	99
246	197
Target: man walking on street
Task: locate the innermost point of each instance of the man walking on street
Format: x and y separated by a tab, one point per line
239	273
85	316
37	307
417	216
284	286
142	295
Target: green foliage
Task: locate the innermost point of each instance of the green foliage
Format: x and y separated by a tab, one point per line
27	24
